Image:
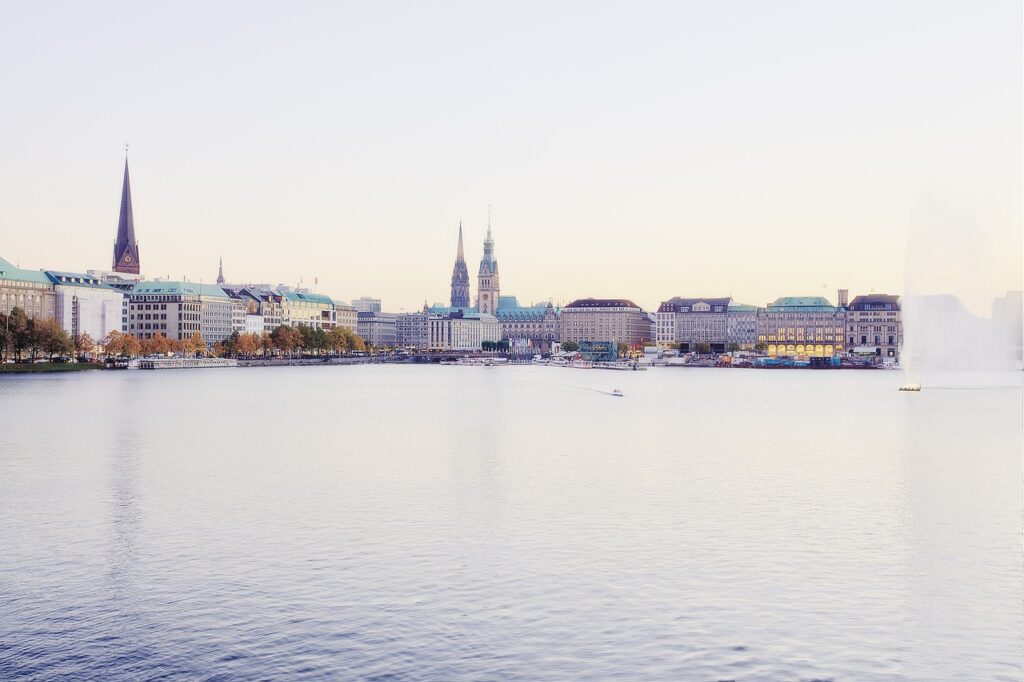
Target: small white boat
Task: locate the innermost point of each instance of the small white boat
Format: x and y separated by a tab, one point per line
911	387
616	392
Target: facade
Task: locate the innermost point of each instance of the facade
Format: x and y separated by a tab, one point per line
693	321
179	309
377	329
741	326
254	324
617	320
312	310
874	324
345	316
412	330
802	326
366	304
126	248
460	278
488	284
30	290
462	331
528	329
83	304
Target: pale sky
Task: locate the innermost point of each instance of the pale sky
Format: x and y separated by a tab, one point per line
638	150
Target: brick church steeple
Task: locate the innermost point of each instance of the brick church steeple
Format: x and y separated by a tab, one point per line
126	249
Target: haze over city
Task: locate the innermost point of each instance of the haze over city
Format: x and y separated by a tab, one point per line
739	149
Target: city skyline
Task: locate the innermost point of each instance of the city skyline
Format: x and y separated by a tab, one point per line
620	162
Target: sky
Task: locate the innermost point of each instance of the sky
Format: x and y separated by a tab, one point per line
637	150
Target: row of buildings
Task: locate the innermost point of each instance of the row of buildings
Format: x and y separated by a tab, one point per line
98	302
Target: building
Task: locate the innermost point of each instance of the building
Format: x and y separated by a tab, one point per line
412	330
30	290
691	322
311	310
460	278
83	304
178	310
874	326
345	315
458	330
488	285
365	304
618	320
126	248
528	329
741	326
377	329
801	326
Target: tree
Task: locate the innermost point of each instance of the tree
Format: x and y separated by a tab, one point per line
702	348
218	349
286	338
20	337
570	346
194	344
247	344
230	345
113	344
49	337
733	347
623	349
761	348
337	339
131	347
84	345
266	343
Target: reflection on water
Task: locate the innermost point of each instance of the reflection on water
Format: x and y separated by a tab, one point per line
509	523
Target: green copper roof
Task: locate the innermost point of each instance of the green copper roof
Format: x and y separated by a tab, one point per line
742	308
9	271
177	289
307	298
801	304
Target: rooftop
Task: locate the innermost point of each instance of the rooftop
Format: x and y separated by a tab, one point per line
602	303
77	279
801	304
307	298
10	271
177	289
875	302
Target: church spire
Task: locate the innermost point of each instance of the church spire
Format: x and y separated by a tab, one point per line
220	271
126	249
460	278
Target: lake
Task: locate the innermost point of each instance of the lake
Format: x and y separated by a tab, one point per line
516	523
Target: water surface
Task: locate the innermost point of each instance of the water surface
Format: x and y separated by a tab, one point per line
411	523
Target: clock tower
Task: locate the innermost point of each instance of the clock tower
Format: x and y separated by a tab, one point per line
488	286
126	249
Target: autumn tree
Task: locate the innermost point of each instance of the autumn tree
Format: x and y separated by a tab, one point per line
113	344
194	344
131	347
337	340
84	345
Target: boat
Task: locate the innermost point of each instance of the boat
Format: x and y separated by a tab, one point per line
911	387
616	392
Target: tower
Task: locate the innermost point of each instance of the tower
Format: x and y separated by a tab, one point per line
220	271
488	288
126	249
460	278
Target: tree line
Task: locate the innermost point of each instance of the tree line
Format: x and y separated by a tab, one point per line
22	337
